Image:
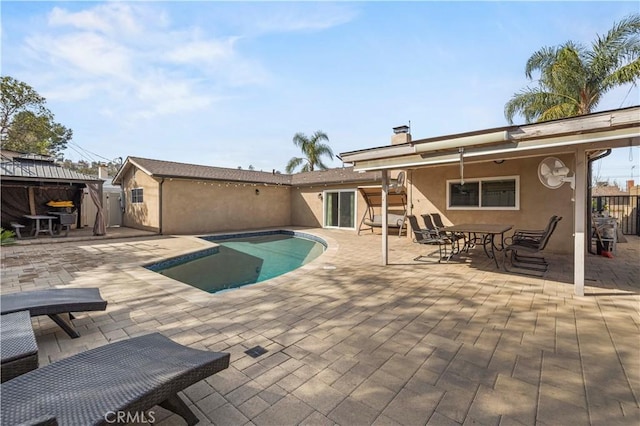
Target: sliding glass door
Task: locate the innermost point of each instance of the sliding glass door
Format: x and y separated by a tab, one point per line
340	209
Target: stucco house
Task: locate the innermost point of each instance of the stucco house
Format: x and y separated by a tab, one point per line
455	174
486	176
176	198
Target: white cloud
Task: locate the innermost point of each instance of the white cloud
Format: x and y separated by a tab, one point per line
133	59
202	51
111	18
303	16
83	52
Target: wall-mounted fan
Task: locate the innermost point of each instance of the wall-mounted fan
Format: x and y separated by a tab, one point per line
553	173
398	184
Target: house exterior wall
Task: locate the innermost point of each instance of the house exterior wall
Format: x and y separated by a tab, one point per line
307	207
537	203
197	207
143	215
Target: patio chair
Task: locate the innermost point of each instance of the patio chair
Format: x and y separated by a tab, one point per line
54	302
532	260
433	220
426	236
126	378
531	236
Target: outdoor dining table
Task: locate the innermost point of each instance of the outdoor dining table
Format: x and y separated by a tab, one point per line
37	218
484	233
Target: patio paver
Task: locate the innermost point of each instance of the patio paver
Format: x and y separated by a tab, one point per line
353	342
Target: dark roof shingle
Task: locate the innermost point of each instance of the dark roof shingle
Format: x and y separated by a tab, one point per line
160	168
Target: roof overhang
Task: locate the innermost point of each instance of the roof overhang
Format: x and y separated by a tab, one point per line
601	130
128	163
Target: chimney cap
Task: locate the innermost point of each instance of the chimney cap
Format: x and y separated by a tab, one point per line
401	129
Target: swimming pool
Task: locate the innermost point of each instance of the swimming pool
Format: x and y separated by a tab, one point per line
242	259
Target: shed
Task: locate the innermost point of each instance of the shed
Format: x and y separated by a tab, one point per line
30	181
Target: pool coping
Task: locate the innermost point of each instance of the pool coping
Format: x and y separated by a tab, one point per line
201	297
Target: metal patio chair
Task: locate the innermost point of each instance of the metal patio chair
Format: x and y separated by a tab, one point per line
526	248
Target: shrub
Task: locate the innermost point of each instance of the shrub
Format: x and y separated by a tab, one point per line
6	236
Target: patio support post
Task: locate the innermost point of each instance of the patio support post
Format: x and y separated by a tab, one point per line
385	214
580	216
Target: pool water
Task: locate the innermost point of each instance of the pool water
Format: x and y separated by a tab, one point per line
241	261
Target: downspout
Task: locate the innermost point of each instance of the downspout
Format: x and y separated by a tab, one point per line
160	207
589	191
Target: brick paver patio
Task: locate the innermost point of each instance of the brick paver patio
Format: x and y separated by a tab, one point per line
351	342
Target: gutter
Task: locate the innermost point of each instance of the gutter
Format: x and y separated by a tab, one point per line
589	190
160	207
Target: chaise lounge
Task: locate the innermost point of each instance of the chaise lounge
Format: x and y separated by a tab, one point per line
54	302
118	381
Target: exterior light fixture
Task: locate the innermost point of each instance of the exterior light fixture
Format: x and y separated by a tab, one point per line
257	191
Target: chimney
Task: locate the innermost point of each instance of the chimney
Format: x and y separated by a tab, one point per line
102	172
630	184
401	134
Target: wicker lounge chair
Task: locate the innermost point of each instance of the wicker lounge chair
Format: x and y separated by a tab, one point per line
18	347
93	387
54	302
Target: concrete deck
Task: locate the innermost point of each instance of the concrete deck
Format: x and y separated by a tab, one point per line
351	342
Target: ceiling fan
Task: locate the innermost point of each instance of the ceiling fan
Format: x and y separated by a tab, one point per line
553	173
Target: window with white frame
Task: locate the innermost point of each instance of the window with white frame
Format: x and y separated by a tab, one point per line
136	195
491	193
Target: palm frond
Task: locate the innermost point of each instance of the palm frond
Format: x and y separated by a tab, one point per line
293	164
540	60
629	73
573	79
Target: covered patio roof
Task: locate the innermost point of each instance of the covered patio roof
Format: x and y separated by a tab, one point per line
610	129
584	136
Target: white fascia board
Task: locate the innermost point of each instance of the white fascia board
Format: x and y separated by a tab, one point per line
377	153
632	133
462	142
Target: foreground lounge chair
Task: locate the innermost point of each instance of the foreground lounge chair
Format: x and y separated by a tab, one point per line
125	379
54	302
18	347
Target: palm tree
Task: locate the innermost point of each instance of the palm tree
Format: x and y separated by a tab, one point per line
313	149
573	79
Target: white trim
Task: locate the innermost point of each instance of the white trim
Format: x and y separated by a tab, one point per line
355	208
480	180
142	195
531	145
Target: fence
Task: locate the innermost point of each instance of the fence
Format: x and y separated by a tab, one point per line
625	208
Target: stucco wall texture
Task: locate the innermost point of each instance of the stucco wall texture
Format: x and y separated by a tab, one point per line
199	207
194	207
143	215
537	203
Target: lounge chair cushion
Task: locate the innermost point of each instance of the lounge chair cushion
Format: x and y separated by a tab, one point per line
132	376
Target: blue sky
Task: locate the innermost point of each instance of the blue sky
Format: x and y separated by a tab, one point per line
229	83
